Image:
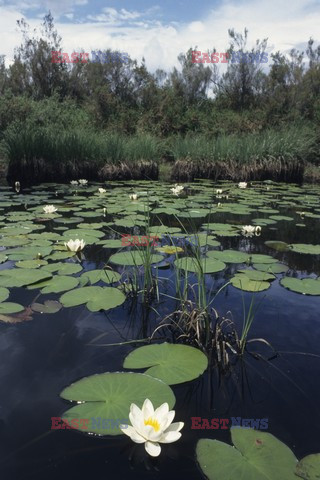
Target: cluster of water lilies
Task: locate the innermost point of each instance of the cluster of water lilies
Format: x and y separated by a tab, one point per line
133	196
50	209
242	184
82	182
177	189
152	427
250	230
75	245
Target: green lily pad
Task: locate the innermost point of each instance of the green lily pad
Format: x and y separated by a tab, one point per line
305	248
31	263
3	258
57	284
9	307
306	286
109	396
258	258
4	294
258	276
96	298
243	282
271	267
64	268
134	257
229	256
277	245
255	456
111	243
20	277
309	467
172	363
95	276
206	265
49	306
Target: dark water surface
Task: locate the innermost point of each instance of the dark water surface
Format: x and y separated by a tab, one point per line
40	357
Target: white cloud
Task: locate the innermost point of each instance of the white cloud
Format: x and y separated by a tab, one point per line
142	34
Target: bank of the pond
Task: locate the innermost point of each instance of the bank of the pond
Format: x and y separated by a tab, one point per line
45	155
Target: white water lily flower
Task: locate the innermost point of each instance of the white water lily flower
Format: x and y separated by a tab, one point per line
17	187
74	182
133	196
242	184
177	189
102	190
152	427
218	191
50	209
83	181
75	245
250	230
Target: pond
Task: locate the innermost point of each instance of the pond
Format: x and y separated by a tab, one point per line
237	251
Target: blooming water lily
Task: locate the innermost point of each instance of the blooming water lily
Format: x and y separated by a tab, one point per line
75	245
50	209
83	181
74	182
250	230
102	190
177	189
133	196
242	184
152	427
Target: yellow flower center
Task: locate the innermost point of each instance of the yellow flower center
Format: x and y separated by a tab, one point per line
153	423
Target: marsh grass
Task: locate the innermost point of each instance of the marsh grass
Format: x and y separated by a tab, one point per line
37	155
272	154
51	154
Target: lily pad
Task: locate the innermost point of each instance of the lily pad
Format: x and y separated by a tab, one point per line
271	267
9	307
306	286
258	276
243	282
49	306
4	294
108	396
95	276
309	467
134	257
64	268
172	363
277	245
305	248
96	298
255	456
258	258
229	256
205	265
20	277
56	284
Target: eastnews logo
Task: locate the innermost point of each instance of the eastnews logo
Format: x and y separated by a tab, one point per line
235	57
198	423
59	423
84	57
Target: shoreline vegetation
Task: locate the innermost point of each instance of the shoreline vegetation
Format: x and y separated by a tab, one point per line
46	156
118	121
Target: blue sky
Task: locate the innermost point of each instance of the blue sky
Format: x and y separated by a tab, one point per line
160	30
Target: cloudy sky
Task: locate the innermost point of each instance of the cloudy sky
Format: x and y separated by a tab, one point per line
160	29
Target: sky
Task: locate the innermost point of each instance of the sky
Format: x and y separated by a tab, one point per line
159	30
